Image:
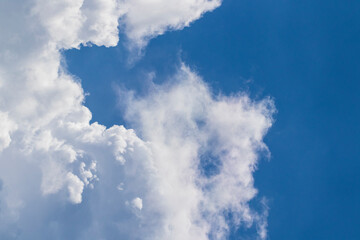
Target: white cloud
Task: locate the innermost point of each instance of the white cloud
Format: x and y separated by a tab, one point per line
70	23
61	175
6	127
137	203
205	150
76	187
145	19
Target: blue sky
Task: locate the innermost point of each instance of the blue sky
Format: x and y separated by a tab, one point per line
304	55
238	120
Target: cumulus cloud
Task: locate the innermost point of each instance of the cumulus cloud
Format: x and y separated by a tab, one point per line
189	162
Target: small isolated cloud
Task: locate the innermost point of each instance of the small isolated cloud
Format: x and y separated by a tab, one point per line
137	203
61	175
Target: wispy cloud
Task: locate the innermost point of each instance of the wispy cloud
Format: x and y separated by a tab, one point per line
145	19
184	123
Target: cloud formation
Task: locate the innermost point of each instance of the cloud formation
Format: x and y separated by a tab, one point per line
204	149
145	19
64	178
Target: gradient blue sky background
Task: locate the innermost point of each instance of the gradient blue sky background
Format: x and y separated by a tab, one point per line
305	55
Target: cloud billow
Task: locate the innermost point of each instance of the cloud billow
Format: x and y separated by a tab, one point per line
64	178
